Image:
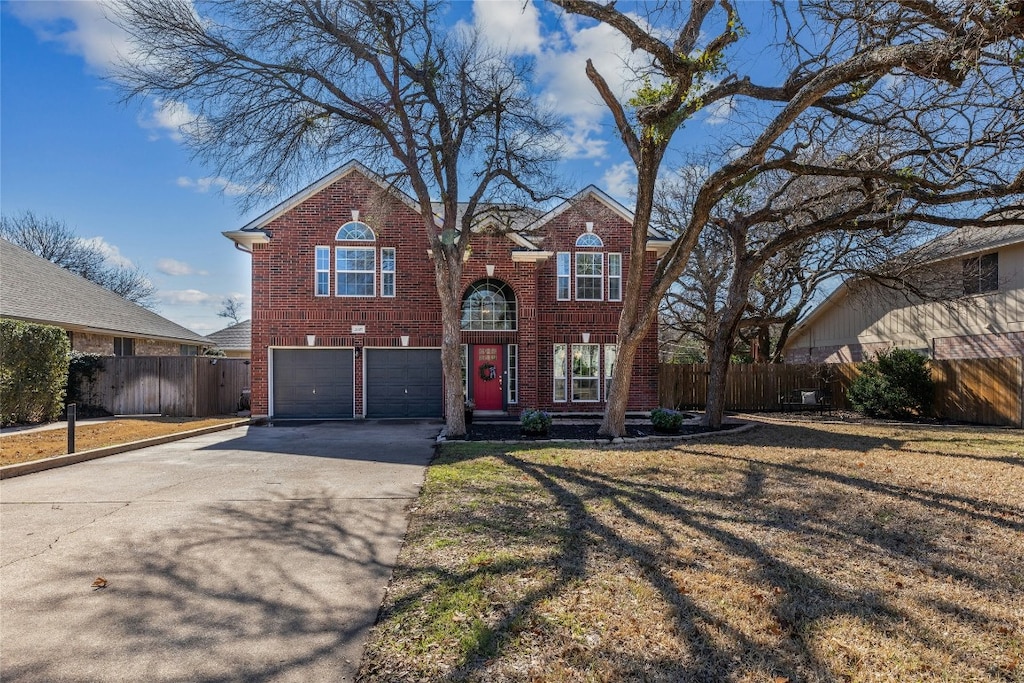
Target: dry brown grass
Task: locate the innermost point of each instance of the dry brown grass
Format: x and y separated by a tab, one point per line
27	446
796	552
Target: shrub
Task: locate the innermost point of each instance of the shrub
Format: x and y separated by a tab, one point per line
897	383
534	422
33	372
82	371
667	420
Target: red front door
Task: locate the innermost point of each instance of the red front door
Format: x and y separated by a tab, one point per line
487	377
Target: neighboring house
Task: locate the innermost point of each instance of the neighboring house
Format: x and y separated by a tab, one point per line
235	341
97	320
983	271
346	316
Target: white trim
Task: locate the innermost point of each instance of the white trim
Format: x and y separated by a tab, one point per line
659	247
525	256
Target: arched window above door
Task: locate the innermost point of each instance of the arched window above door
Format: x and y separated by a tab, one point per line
489	305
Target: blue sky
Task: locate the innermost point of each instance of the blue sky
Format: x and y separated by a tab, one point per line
121	175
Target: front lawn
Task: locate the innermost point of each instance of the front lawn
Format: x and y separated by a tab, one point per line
35	445
808	551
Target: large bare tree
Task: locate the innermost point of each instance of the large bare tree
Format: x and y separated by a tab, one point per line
53	240
934	88
285	89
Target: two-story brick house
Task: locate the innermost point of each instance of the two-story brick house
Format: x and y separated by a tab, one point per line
346	316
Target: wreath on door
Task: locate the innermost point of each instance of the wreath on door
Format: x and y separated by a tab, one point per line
488	372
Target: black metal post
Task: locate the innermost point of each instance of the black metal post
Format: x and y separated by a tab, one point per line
71	427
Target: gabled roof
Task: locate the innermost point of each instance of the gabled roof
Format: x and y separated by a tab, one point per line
520	223
958	243
237	337
253	231
36	290
601	196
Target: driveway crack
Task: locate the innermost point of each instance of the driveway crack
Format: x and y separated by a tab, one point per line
65	535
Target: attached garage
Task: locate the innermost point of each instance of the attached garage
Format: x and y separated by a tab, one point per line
404	383
313	383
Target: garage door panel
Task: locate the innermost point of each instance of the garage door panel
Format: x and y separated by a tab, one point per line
404	383
313	383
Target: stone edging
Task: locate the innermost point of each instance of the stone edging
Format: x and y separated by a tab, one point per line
618	441
22	468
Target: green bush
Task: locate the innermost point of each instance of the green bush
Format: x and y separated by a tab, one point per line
33	372
82	371
667	420
897	383
534	422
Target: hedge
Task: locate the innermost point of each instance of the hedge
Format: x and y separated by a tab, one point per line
33	372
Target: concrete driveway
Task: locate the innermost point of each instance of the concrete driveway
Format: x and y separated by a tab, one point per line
256	554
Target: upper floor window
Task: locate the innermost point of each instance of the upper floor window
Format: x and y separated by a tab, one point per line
355	231
589	276
563	275
614	277
589	239
981	274
387	271
355	271
489	305
323	271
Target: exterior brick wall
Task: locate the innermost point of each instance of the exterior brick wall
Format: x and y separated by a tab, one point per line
1004	345
103	344
286	310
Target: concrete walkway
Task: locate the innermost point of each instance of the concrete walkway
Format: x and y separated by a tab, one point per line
258	554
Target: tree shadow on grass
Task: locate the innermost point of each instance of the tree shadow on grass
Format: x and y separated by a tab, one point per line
670	528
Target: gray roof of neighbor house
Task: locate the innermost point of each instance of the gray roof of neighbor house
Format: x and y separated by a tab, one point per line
36	290
237	337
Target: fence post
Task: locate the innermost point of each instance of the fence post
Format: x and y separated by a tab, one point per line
72	410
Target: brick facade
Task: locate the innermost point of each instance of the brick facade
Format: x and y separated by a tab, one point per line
286	309
103	344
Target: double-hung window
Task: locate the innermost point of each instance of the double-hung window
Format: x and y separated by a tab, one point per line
563	276
355	271
611	355
614	277
586	372
558	372
323	271
589	276
387	271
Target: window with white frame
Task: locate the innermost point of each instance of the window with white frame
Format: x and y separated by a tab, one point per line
586	372
563	276
387	271
589	276
614	277
589	239
513	373
323	271
355	271
611	355
355	231
558	372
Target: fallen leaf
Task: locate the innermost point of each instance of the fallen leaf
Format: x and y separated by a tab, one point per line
100	582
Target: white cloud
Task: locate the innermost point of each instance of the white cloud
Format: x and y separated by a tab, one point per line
510	25
177	297
620	180
169	266
169	117
81	28
214	183
110	252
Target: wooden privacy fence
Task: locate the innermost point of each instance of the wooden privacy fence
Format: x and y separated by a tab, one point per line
984	391
178	386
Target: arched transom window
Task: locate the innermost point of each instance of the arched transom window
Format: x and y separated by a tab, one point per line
489	305
355	231
589	239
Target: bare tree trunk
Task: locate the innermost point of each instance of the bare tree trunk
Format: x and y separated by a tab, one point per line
449	280
722	347
613	423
